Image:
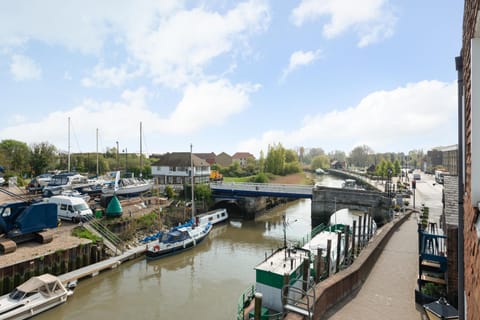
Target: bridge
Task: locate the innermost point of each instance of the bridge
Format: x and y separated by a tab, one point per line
248	199
235	190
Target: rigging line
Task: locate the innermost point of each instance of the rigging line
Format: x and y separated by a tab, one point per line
76	139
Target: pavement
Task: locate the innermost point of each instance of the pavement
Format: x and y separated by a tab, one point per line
388	292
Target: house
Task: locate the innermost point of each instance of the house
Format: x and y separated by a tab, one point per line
224	160
208	157
242	158
175	168
339	165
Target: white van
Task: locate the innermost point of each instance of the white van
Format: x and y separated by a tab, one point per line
71	208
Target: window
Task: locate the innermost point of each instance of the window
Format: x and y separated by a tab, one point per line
63	206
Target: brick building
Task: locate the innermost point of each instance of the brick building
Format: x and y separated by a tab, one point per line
468	67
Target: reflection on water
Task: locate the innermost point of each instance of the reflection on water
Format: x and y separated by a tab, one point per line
202	283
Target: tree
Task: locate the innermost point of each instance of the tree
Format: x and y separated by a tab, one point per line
321	161
43	157
16	155
396	167
337	155
275	160
359	156
312	153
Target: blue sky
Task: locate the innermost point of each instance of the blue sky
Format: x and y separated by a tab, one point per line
230	75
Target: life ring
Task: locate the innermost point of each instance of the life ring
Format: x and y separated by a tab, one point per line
156	248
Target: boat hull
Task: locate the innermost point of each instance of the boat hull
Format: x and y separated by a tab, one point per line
153	254
30	310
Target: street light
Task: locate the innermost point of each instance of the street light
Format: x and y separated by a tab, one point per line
126	153
117	156
389	173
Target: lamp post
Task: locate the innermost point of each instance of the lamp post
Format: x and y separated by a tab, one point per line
389	186
126	153
117	156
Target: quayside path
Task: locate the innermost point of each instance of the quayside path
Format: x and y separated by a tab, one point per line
388	292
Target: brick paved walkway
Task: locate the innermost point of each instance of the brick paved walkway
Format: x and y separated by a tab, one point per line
388	292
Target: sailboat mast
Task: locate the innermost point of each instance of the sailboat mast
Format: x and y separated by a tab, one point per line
192	169
141	160
97	152
68	166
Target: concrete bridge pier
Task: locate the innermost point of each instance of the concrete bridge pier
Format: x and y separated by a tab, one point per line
325	201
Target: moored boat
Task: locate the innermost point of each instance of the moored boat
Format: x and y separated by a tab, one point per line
178	239
34	296
214	216
127	187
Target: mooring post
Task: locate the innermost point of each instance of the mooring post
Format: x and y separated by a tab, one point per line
364	229
318	265
258	305
337	262
353	239
286	283
329	254
306	269
359	235
347	240
369	232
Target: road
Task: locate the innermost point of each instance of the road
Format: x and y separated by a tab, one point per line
429	193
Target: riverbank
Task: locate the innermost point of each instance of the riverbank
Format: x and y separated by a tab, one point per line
295	178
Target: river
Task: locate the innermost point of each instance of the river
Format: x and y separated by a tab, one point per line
202	283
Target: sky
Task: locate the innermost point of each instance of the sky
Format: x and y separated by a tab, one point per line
230	76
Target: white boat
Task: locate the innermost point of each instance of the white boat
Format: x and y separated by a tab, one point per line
178	239
36	295
127	187
214	216
320	241
347	216
66	181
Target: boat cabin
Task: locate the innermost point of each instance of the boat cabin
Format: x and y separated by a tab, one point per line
271	272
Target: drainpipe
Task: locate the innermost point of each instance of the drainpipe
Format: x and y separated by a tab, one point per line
460	167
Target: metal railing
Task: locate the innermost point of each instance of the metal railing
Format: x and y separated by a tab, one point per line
244	301
106	234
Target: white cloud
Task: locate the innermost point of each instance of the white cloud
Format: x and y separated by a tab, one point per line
203	105
176	54
103	77
372	20
174	43
80	25
208	104
402	119
23	68
298	59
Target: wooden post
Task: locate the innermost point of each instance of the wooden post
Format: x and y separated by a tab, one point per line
306	269
359	235
318	265
258	305
353	239
329	254
369	229
337	262
347	240
364	229
286	283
